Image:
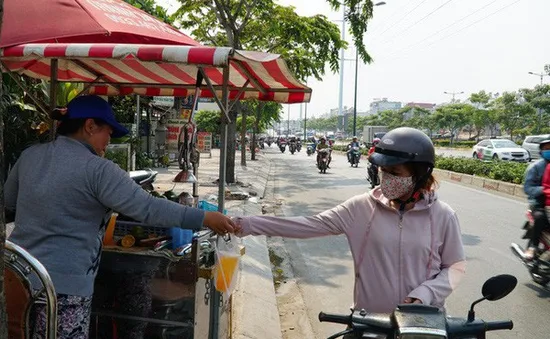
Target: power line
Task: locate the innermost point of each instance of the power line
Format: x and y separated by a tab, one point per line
470	25
446	28
475	22
419	21
403	17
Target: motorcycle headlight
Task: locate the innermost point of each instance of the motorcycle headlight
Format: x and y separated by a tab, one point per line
420	322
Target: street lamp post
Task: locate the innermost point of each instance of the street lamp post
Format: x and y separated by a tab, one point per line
541	75
355	92
453	94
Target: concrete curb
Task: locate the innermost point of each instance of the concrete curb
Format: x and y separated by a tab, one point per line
481	182
255	313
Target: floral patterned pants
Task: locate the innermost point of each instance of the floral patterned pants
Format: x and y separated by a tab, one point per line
73	317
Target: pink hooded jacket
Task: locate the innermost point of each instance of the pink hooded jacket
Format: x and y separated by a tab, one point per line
418	254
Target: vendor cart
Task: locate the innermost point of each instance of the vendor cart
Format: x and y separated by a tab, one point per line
157	293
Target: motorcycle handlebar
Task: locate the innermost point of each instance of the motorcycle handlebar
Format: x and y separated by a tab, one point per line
335	318
499	325
455	326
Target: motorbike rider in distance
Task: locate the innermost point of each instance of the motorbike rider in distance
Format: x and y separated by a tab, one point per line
354	143
534	190
322	145
375	142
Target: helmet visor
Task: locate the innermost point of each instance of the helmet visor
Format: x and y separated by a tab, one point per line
384	157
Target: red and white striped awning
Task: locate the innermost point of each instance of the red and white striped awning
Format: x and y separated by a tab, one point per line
159	70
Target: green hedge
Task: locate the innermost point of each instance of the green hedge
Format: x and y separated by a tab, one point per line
499	170
447	143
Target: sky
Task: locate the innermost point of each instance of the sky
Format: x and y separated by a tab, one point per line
423	48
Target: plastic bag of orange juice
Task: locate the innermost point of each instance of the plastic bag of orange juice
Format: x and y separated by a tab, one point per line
226	270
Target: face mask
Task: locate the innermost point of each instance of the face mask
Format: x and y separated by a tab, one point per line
394	187
545	154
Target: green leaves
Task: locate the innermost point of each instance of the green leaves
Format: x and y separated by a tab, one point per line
208	121
307	44
499	170
358	14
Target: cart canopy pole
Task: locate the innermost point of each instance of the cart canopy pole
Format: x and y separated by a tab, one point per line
223	147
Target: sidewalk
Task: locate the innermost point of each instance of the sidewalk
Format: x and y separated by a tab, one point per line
255	313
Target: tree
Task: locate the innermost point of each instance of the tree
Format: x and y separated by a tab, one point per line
306	43
358	15
149	6
539	98
481	117
208	121
513	112
453	117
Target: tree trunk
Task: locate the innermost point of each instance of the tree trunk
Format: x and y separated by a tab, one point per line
231	133
256	129
243	137
3	316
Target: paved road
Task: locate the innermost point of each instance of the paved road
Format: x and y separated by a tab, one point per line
323	267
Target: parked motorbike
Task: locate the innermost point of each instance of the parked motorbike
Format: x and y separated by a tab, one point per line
298	146
292	147
539	266
322	161
372	175
355	155
144	178
282	146
417	321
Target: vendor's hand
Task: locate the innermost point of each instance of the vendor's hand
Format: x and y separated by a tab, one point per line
219	223
412	301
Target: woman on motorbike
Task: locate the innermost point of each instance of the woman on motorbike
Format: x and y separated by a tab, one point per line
406	244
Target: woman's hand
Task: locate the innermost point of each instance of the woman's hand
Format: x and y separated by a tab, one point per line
412	301
219	223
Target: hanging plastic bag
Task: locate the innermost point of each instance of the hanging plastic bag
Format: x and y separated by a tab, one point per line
226	270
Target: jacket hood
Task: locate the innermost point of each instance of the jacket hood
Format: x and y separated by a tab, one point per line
430	197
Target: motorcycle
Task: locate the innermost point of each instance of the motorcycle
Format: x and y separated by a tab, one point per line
355	155
372	175
144	178
310	150
298	146
539	266
292	147
417	321
322	161
282	146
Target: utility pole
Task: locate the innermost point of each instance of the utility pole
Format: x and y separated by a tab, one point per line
453	94
305	122
343	37
541	75
288	123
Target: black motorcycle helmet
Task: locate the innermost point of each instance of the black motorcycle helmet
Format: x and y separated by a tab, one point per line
406	145
402	145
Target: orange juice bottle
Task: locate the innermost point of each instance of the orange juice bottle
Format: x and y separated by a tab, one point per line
224	272
108	239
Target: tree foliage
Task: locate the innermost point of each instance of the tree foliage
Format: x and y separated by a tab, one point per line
150	6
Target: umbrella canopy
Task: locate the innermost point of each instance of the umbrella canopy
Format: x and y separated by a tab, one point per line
84	21
159	70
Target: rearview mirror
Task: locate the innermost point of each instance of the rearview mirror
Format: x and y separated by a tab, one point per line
498	287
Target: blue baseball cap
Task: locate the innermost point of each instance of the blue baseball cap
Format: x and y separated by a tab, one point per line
92	106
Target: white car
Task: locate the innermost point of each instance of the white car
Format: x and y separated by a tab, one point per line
532	143
500	149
